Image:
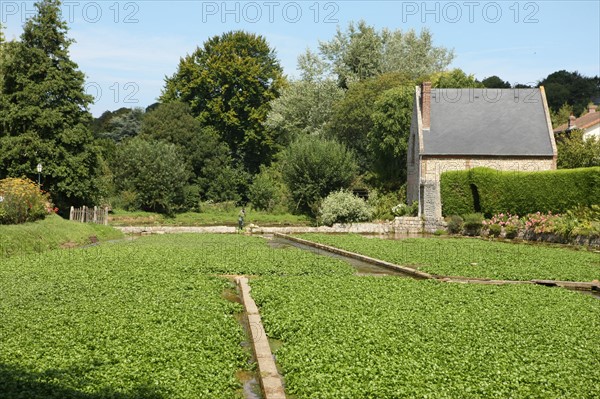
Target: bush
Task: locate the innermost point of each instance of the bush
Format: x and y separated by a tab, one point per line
473	223
454	224
406	210
267	191
155	172
383	203
511	231
313	168
22	201
495	230
576	152
490	191
344	207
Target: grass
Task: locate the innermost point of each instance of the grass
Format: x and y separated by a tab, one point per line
385	337
50	233
474	257
211	217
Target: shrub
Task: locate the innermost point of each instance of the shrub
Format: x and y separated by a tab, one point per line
511	231
495	230
473	223
267	191
406	210
22	201
491	191
344	207
454	224
314	167
384	203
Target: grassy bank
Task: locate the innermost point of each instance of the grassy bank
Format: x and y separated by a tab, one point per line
50	233
211	217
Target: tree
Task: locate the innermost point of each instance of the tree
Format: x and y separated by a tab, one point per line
351	121
572	88
453	79
124	126
44	114
313	167
388	138
576	152
305	107
152	171
561	116
361	52
228	84
494	82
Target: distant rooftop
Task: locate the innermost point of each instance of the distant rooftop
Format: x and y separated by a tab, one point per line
591	118
493	122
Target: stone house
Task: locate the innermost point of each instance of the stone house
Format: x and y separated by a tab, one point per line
459	129
589	123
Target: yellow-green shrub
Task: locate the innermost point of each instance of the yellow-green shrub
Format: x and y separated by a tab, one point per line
21	201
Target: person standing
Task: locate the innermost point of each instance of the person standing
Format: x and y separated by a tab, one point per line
241	217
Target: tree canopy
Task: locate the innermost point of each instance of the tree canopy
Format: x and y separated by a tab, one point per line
44	114
228	84
572	88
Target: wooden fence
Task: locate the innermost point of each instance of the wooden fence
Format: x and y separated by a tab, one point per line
89	215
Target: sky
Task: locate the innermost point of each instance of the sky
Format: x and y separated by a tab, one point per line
127	48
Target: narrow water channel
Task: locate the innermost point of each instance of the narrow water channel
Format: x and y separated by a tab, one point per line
362	268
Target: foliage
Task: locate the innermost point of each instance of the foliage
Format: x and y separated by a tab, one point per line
491	191
576	152
352	116
383	203
454	224
313	167
303	108
571	88
123	126
344	207
388	138
51	233
153	171
512	224
222	179
22	201
268	191
561	116
228	84
453	79
494	82
44	116
361	52
385	337
474	257
406	210
473	223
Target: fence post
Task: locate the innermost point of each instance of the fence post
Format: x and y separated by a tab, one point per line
106	216
95	214
84	214
71	213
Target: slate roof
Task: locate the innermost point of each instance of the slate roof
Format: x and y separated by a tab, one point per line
583	122
492	122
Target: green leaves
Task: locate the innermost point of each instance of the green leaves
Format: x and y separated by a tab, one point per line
386	337
474	258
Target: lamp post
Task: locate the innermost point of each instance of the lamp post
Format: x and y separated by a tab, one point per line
39	170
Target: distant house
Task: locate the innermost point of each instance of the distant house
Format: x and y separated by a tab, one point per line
458	129
589	123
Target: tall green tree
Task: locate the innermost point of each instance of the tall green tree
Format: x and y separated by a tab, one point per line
361	52
44	114
575	151
388	137
305	107
229	84
494	82
351	121
572	88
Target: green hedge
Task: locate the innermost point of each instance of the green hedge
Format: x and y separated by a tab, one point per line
491	191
